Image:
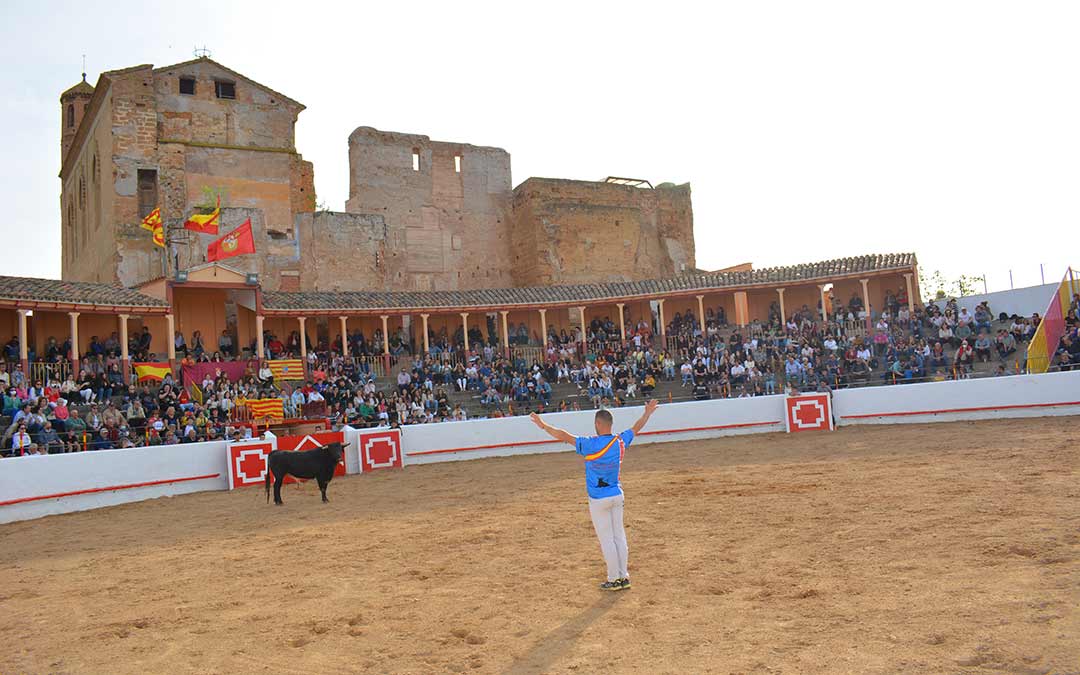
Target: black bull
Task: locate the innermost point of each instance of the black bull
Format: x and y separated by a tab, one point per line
318	464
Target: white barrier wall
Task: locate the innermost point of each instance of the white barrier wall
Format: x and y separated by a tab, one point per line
1021	301
1043	395
518	435
31	487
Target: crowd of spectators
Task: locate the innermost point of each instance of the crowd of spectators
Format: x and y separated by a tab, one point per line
938	341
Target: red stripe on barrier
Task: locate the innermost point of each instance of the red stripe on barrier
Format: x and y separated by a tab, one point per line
960	410
107	489
643	433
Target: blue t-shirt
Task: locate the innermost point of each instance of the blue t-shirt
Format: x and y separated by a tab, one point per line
603	458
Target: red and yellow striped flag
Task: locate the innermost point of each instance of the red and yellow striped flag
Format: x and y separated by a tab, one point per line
152	372
273	408
152	222
286	369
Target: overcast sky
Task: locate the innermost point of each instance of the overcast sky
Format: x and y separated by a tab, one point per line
808	130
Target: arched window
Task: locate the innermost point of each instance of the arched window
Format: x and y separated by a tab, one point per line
71	115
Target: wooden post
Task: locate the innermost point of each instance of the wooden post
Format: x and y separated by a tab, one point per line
866	304
75	344
24	359
584	336
260	345
505	333
125	359
344	336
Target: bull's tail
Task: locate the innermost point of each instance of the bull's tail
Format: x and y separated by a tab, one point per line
267	485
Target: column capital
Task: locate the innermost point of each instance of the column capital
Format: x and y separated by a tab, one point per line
781	290
384	317
543	310
23	312
74	315
504	312
424	316
301	319
124	317
344	318
463	314
864	281
620	304
699	297
661	300
908	275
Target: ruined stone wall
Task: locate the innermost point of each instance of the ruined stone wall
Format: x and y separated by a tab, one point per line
342	251
255	118
568	232
446	229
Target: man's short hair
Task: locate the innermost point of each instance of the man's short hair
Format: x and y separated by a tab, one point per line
604	416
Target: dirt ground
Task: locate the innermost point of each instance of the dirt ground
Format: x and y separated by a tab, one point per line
946	548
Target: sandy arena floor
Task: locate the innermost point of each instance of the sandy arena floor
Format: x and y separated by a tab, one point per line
947	548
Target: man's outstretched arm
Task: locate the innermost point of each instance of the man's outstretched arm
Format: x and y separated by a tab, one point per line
558	434
650	408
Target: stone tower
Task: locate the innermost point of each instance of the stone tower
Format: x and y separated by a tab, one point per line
73	103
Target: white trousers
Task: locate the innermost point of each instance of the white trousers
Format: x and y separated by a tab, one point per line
607	520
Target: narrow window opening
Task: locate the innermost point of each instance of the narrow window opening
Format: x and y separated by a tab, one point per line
225	89
187	86
415	160
457	163
71	115
148	191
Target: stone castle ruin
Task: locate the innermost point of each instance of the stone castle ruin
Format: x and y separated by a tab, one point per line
421	214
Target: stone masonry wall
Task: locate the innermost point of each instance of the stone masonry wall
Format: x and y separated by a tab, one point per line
342	251
445	229
568	232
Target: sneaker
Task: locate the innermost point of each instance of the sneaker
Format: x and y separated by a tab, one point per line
612	585
624	583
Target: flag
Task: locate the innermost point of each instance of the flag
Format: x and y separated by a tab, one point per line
207	224
152	222
266	407
238	242
286	369
152	372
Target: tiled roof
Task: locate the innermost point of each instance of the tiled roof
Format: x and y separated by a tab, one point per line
552	295
29	289
83	87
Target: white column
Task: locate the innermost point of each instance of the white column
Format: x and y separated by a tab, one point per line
910	293
465	328
543	327
344	336
423	320
701	312
783	313
260	347
866	303
584	336
622	320
663	328
385	336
